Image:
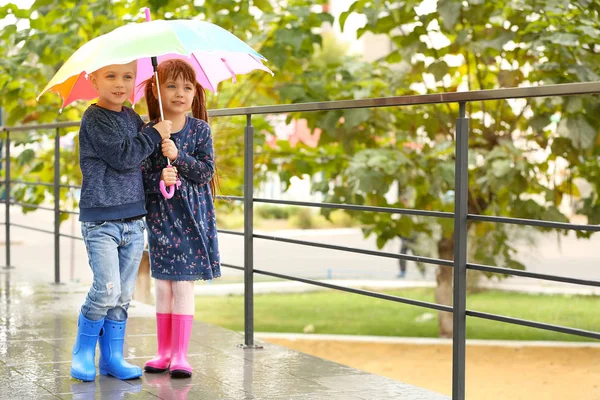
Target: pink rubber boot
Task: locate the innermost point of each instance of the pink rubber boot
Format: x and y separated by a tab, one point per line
182	329
160	363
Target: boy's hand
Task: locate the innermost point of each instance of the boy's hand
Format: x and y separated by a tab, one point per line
169	175
169	149
164	128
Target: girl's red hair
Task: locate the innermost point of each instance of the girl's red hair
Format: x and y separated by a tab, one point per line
173	70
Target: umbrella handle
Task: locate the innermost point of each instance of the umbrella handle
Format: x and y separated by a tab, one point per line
163	188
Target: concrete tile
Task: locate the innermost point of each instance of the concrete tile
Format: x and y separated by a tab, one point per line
196	387
40	371
102	384
37	350
17	386
371	387
110	395
313	396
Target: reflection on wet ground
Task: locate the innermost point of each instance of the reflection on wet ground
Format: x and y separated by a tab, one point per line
37	331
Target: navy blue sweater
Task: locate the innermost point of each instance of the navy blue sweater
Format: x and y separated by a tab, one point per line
111	151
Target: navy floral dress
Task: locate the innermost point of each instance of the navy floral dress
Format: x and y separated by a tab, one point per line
182	231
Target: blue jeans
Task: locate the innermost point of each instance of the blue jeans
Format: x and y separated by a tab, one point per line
114	253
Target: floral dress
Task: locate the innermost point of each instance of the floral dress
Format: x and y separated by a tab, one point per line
182	231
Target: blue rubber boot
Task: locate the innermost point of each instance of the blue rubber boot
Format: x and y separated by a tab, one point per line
84	350
111	361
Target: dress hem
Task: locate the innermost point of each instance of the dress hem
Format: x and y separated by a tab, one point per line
195	277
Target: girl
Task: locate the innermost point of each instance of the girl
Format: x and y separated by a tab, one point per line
182	232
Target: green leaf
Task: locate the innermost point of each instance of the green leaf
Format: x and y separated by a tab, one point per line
264	5
439	69
26	157
592	32
574	104
510	78
352	118
501	168
449	10
581	133
564	39
584	73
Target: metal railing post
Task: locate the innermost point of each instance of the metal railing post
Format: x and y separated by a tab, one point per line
57	206
7	199
248	233
461	184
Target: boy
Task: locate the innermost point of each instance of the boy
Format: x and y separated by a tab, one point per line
111	214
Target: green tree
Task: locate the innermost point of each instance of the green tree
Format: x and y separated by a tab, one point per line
36	42
469	45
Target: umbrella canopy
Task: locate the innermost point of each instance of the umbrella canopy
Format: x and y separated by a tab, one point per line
215	54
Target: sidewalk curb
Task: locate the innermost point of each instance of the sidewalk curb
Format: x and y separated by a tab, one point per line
420	341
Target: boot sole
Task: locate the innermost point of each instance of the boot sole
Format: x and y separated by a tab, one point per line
88	378
154	370
180	374
123	378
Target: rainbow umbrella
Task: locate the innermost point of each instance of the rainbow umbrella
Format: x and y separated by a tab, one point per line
215	54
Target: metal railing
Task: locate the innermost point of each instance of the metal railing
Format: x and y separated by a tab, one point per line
460	214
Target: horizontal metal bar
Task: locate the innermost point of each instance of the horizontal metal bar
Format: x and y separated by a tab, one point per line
535	275
232	266
567	89
228	232
397	299
427	260
28	205
70	186
534	222
32	228
47	184
69	212
70	236
339	206
533	324
53	125
230	198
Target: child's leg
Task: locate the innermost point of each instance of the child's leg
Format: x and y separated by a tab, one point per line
112	338
183	298
164	309
103	258
183	317
131	249
164	296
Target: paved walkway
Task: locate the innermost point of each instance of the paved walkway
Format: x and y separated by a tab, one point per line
37	328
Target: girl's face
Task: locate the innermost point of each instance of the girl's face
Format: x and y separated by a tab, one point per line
177	95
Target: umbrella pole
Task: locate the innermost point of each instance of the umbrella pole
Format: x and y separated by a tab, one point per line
162	114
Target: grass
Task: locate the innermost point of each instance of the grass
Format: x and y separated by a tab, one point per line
334	312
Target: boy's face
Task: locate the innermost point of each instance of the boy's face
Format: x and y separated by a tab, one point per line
115	84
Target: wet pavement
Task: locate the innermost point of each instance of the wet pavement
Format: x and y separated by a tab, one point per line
37	330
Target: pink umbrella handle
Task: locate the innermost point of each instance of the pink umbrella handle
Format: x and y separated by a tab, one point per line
163	189
171	192
148	17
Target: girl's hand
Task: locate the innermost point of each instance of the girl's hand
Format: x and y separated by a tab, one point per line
169	176
169	149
